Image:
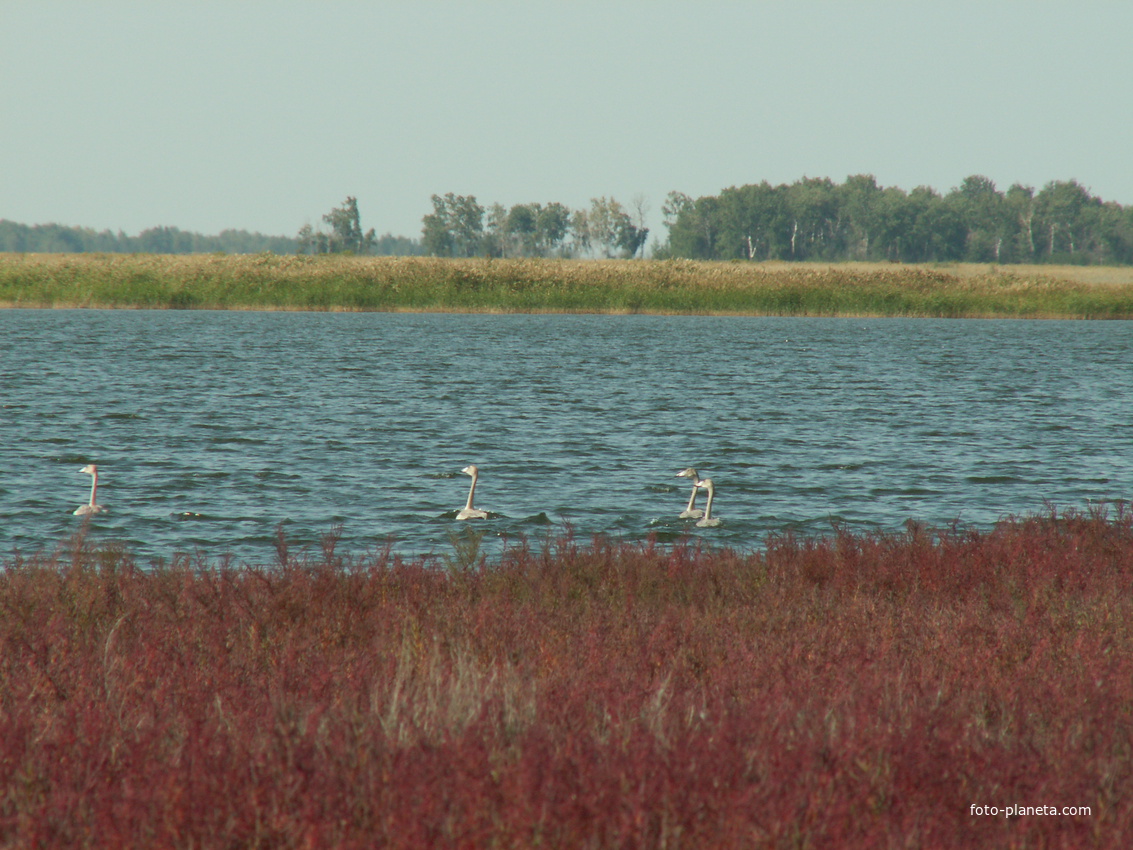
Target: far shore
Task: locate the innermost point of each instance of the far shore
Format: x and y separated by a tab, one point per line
669	287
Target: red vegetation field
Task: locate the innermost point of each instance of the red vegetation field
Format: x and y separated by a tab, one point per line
856	691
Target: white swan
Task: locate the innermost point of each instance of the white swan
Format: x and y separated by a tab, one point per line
708	521
692	511
469	512
92	507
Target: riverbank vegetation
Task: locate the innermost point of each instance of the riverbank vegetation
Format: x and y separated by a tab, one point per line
832	692
338	282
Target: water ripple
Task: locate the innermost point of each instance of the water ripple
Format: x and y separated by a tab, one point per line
212	430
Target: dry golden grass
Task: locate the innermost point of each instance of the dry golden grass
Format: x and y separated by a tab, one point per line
1104	275
267	281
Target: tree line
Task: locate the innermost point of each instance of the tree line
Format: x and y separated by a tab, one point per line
345	236
459	226
812	219
60	239
817	219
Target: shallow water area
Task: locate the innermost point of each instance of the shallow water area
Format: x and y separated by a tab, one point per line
212	430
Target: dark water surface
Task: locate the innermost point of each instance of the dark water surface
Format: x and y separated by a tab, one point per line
210	429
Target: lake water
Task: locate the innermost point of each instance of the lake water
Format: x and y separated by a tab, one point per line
210	429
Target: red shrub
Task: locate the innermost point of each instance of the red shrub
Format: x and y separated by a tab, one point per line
860	690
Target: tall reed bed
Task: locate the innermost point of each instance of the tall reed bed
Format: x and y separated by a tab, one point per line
853	691
678	286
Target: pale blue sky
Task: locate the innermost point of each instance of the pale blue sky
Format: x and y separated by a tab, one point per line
264	115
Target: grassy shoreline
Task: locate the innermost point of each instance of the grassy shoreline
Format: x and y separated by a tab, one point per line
419	284
821	693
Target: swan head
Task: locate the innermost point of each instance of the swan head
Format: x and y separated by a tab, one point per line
688	473
470	470
89	469
706	484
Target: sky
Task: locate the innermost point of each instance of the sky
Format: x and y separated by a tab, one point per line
263	116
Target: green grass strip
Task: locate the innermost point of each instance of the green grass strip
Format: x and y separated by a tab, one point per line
334	283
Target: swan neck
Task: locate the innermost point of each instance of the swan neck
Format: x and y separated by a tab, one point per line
708	507
692	498
471	493
93	487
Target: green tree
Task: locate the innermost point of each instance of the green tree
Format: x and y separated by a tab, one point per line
605	223
455	228
606	228
345	233
753	222
691	225
1114	229
346	228
1020	203
894	216
812	204
676	204
936	232
523	227
1061	212
435	233
858	200
495	242
580	233
552	226
631	238
525	230
987	219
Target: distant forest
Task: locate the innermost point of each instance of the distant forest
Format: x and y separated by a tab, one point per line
811	219
59	239
816	219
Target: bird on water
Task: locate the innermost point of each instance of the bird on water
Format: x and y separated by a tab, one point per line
708	521
91	507
469	512
692	511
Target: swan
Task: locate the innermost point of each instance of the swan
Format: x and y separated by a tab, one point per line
469	512
692	511
708	521
92	507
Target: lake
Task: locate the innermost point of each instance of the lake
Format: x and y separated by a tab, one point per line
212	429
